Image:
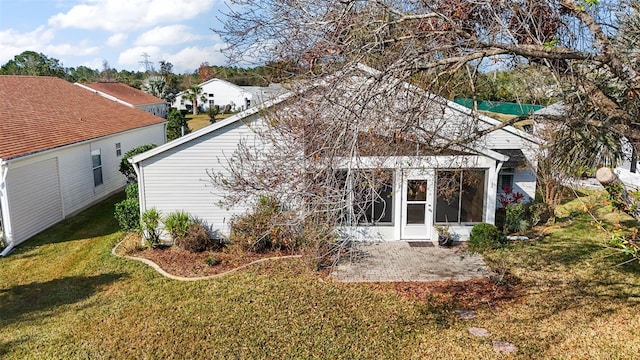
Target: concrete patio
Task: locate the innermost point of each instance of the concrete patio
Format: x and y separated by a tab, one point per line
393	261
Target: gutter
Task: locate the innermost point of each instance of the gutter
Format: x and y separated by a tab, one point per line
4	170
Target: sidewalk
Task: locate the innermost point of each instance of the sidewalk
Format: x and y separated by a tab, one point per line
398	261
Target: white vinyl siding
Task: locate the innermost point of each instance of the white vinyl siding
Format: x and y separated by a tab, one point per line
177	179
35	202
47	187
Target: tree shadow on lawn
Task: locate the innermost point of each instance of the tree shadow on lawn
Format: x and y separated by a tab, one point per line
23	301
93	222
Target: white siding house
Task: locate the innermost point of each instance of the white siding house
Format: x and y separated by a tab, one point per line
217	92
54	164
186	162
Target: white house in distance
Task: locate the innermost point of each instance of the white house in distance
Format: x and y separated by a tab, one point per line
217	92
185	162
60	153
129	96
628	171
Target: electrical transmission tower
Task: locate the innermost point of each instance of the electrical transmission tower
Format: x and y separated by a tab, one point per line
148	65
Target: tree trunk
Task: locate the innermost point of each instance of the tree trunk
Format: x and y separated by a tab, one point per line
618	193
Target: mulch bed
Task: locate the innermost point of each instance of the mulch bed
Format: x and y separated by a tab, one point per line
180	262
467	294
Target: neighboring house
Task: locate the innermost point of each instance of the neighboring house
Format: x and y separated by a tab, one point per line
129	96
60	153
261	94
628	170
186	162
217	92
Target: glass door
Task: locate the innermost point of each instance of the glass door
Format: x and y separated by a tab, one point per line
417	200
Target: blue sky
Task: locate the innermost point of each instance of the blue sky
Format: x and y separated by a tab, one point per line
87	32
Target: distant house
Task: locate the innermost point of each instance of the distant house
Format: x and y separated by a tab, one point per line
628	170
412	203
129	96
217	92
261	94
60	153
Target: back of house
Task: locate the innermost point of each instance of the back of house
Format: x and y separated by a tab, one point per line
410	204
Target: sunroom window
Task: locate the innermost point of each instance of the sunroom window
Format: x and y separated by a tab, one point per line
460	195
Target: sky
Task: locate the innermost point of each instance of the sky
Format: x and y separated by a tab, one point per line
88	32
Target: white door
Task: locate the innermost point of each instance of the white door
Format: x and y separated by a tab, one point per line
417	204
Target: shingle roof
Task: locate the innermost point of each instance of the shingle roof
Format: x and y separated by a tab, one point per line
38	113
125	93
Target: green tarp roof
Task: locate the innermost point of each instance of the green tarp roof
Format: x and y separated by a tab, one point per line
501	107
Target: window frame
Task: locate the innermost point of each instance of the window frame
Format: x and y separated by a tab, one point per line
118	149
97	168
504	172
380	202
460	196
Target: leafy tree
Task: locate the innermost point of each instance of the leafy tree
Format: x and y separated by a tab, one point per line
34	64
83	74
176	125
126	168
206	72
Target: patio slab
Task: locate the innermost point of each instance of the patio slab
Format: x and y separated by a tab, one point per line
394	261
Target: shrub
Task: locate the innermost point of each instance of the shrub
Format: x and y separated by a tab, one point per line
515	221
177	224
126	168
196	239
127	212
131	191
539	213
176	125
267	227
150	223
485	236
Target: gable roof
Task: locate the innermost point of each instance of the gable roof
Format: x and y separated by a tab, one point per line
282	98
203	84
122	92
41	113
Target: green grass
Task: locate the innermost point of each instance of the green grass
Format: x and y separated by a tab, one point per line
64	296
197	122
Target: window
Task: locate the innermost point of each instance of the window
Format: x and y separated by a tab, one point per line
211	103
210	95
96	160
118	150
460	195
505	178
369	196
181	101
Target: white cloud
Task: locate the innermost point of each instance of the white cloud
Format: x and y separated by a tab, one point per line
189	59
95	63
62	50
13	42
163	35
127	15
132	58
116	40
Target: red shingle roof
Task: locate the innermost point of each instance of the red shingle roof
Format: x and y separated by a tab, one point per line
39	113
125	93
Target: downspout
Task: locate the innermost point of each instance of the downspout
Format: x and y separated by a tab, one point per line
141	197
4	170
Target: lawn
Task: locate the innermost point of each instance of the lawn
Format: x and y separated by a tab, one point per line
64	296
197	122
